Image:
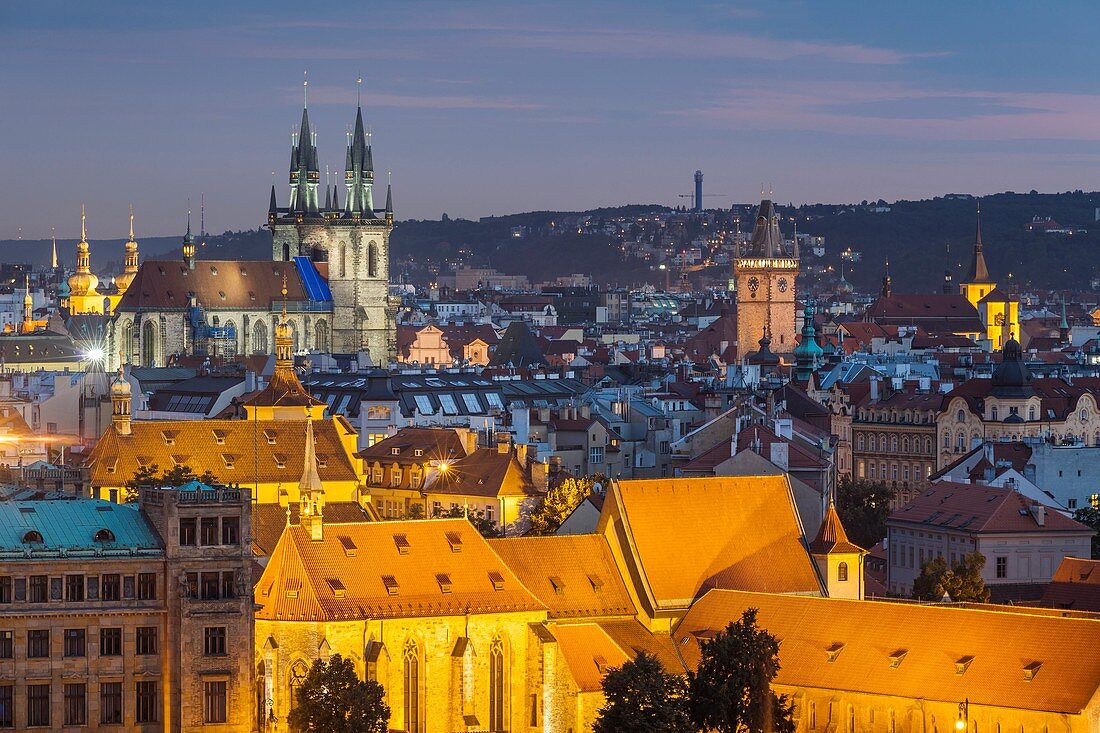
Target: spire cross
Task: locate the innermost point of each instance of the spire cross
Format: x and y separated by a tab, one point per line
358	91
305	89
83	229
131	222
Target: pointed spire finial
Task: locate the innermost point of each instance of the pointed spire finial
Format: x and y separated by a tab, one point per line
358	91
83	228
53	236
284	297
131	222
305	89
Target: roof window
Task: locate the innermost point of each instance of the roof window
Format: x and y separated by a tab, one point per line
834	650
896	657
401	541
391	584
497	580
33	537
104	535
336	587
349	546
444	581
963	663
454	539
1030	670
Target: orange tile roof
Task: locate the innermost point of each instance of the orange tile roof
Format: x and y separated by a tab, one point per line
831	536
937	642
269	520
436	444
632	636
388	570
1076	585
232	450
589	652
486	472
574	576
693	534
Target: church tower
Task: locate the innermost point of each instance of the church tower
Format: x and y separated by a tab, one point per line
84	297
765	274
977	283
351	242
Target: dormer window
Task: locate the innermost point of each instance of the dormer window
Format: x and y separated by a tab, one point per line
395	451
213	270
497	580
219	437
270	435
833	650
280	459
169	437
897	657
104	535
390	582
418	452
1030	670
33	537
444	581
401	542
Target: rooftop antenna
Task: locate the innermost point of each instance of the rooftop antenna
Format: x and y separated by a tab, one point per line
358	89
202	218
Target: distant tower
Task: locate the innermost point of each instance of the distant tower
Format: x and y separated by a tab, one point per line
120	401
884	291
838	560
83	295
305	172
1063	327
130	263
189	246
948	278
28	307
698	191
311	493
765	276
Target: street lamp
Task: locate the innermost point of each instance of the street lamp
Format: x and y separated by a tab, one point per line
964	716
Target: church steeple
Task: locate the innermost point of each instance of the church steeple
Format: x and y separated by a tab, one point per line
305	172
311	493
189	245
28	306
359	168
83	283
130	263
978	273
389	203
884	292
1063	327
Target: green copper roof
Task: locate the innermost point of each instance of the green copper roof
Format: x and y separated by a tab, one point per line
72	525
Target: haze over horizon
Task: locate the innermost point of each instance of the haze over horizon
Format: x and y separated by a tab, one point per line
490	107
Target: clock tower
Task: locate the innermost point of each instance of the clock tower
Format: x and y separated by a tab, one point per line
765	275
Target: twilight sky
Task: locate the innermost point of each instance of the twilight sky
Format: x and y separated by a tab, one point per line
490	107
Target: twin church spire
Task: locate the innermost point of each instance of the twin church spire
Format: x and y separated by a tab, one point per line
305	174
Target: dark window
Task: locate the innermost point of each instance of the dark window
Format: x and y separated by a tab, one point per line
74	587
214	702
76	643
228	586
7	644
112	587
7	705
128	587
76	708
213	641
842	572
110	642
110	703
187	531
1002	567
192	585
147	702
38	589
38	643
147	586
231	531
38	705
147	640
209	534
5	589
211	583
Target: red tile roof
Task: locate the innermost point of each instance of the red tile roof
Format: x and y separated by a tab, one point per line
980	509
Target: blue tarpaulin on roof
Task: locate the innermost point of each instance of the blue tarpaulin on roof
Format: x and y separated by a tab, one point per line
316	286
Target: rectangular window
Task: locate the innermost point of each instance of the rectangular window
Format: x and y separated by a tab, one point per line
213	641
147	586
74	588
231	531
38	589
1002	567
424	404
76	708
146	702
213	702
110	703
229	589
5	589
76	643
447	402
595	454
38	705
111	587
7	644
110	642
7	706
187	531
210	586
146	640
208	534
38	644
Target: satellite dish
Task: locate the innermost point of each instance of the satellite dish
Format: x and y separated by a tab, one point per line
597	487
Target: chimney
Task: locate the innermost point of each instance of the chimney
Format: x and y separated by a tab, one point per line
521	453
1039	512
784	428
504	443
540	476
779	454
469	439
874	389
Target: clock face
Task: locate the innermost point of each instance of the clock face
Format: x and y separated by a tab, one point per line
753	284
782	284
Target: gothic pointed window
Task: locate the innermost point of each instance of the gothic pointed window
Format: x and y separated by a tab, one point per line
411	680
297	677
343	259
372	260
497	684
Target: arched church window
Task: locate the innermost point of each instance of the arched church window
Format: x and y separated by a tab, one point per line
297	677
411	684
842	572
372	260
320	336
960	416
497	678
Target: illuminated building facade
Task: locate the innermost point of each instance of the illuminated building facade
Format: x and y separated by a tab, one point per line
765	275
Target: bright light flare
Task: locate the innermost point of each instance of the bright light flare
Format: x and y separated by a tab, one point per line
95	354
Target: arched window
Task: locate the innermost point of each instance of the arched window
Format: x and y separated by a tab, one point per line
882	442
104	535
149	344
861	441
320	336
893	444
842	572
497	681
33	537
297	676
259	337
229	349
1031	412
411	684
928	445
905	444
372	260
961	416
872	439
960	442
1084	415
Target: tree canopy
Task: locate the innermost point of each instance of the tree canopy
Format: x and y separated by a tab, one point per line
152	476
487	527
963	582
863	507
332	699
730	690
561	500
640	697
1091	516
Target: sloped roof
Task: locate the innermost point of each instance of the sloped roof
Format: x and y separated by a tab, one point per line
935	639
436	444
485	472
1075	585
517	347
977	508
574	576
935	312
269	520
241	285
349	573
589	652
831	537
71	525
271	451
729	532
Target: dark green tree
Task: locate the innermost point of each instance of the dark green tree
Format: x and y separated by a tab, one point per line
333	699
144	476
560	500
963	582
178	476
730	689
863	507
1091	516
487	527
640	697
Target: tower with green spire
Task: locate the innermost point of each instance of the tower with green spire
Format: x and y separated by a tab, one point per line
808	354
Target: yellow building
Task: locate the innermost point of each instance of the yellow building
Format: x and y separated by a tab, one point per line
129	267
999	312
83	296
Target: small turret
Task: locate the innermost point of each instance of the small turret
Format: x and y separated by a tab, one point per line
120	401
130	264
389	204
28	306
1063	327
189	245
839	562
311	493
272	207
807	354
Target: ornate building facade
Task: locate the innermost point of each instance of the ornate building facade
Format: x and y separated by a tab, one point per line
765	274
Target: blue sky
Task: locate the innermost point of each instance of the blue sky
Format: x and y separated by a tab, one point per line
496	107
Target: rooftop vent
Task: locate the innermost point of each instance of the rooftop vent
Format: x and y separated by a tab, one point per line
391	584
348	545
834	650
402	543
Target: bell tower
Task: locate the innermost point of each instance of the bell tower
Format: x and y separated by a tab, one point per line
765	274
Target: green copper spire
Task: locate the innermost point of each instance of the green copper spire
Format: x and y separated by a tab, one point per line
305	174
359	173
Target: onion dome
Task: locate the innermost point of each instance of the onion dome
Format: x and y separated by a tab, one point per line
83	282
1012	378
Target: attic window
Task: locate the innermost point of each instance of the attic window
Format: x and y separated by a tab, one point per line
270	435
251	295
348	545
896	657
497	580
601	663
395	451
391	584
1030	670
336	587
244	272
558	584
402	543
219	437
834	650
179	459
213	270
104	535
221	294
454	539
418	452
444	581
322	460
33	537
292	586
144	461
963	663
229	459
280	459
169	436
597	582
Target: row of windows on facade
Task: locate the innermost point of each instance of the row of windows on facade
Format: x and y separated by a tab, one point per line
78	588
868	470
869	442
915	418
75	642
210	531
254	340
146	707
396	509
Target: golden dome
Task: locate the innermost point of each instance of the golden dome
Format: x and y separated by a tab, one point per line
83	283
120	387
